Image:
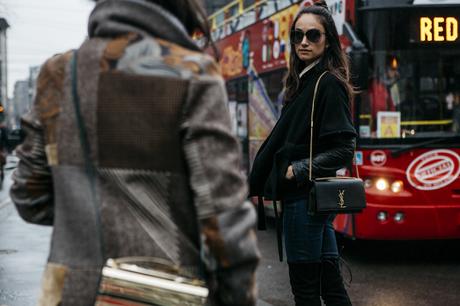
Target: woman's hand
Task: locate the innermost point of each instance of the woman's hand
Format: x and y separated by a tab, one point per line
289	173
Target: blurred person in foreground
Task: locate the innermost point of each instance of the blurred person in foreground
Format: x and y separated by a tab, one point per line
281	167
154	106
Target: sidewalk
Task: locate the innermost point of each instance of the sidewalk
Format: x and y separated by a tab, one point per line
23	254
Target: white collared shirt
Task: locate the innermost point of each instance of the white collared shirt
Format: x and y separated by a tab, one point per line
308	68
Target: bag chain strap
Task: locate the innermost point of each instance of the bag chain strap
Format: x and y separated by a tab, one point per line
311	125
311	130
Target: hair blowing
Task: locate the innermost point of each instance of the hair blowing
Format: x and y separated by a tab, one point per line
334	58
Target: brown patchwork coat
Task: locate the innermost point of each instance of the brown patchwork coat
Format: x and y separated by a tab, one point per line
160	137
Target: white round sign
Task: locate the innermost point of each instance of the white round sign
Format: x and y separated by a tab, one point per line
378	158
434	170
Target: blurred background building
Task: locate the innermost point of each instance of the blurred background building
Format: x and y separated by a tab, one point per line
3	67
23	97
214	5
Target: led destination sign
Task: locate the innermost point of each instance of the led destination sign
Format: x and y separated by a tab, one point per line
438	29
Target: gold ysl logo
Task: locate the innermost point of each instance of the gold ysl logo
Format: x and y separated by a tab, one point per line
342	198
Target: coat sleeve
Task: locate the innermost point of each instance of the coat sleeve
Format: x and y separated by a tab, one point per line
333	115
336	134
32	190
337	155
227	221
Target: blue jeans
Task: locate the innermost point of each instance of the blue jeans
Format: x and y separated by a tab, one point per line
307	238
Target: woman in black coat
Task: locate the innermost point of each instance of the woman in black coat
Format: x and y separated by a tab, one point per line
280	169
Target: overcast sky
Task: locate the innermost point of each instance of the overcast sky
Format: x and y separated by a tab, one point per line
39	29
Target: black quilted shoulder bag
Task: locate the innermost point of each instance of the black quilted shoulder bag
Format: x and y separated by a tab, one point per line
333	195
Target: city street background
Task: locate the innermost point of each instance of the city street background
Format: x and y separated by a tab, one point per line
422	273
405	62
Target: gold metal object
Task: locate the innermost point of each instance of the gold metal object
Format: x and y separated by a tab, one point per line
342	198
149	281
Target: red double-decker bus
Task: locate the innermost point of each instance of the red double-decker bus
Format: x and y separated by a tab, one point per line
406	62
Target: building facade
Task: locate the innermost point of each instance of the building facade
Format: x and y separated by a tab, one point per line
33	76
3	66
21	98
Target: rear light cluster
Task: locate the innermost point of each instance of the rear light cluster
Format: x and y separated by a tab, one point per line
383	184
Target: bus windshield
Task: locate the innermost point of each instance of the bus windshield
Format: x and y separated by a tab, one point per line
414	88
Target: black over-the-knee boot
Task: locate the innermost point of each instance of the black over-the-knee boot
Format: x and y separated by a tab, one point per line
333	291
305	283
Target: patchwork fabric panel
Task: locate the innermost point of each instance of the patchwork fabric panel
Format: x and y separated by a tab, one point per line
138	118
145	195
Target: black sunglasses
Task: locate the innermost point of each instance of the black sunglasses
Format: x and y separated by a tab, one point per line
313	36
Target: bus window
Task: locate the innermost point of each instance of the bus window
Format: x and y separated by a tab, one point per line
414	89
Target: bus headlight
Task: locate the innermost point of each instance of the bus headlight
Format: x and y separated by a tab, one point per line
382	184
397	186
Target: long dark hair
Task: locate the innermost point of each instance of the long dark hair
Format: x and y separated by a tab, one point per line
192	14
334	58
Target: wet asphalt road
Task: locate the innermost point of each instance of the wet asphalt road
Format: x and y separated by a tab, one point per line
384	273
23	252
414	273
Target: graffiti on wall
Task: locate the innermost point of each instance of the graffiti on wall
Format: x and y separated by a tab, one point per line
262	114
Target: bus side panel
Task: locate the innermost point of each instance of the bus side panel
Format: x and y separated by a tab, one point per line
344	225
